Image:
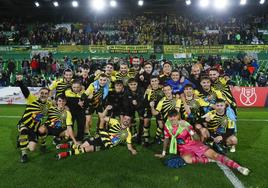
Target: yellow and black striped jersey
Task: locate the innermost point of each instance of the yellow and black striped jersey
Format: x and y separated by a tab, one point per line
61	86
165	105
217	121
123	77
111	80
222	85
196	106
59	118
132	72
115	134
35	112
152	95
210	96
97	95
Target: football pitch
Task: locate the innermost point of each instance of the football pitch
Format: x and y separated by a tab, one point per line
117	168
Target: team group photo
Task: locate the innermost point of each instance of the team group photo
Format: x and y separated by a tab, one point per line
134	93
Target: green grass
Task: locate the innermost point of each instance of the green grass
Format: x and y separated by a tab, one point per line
118	168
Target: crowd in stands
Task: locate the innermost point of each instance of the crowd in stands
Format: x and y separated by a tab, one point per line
140	30
243	70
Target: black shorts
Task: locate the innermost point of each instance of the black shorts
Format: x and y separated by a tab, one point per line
97	109
87	111
96	142
148	114
55	131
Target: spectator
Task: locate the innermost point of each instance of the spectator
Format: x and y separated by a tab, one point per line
11	67
34	67
245	74
228	71
261	80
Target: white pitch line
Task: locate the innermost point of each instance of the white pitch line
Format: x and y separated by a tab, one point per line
231	176
252	120
10	117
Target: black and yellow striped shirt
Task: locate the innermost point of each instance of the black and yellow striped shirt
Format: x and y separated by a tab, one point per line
210	96
152	95
115	134
97	99
59	118
196	106
61	86
123	77
165	105
217	121
222	85
35	112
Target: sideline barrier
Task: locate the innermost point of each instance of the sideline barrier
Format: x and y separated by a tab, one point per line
13	95
251	96
244	96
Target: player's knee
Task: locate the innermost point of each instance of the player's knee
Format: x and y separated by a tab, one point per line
32	146
187	159
198	126
204	132
232	140
89	148
42	130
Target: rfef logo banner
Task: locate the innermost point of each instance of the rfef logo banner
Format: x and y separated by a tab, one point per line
250	96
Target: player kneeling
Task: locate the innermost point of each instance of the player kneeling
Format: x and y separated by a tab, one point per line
59	122
117	132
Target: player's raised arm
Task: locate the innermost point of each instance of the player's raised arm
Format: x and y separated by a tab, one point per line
25	91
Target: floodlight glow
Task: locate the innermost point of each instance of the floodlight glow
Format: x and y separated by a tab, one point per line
55	3
98	4
37	4
113	3
203	3
243	2
220	4
74	3
188	2
262	2
140	2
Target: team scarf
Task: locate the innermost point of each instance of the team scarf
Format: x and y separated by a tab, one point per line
173	142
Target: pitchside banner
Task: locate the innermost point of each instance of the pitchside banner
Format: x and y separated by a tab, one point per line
13	95
244	96
251	96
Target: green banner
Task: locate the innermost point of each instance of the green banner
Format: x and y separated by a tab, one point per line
246	48
125	49
130	48
171	49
